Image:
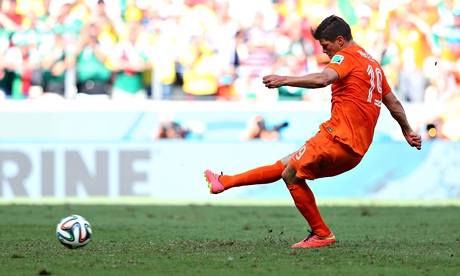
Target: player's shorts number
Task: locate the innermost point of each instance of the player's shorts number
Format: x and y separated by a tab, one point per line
300	152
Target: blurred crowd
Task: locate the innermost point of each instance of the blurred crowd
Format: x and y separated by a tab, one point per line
216	49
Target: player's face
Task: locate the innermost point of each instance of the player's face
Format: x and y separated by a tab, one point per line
329	48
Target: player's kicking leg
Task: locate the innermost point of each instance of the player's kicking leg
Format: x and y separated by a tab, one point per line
260	175
214	184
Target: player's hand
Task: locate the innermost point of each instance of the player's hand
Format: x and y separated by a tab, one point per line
414	139
273	81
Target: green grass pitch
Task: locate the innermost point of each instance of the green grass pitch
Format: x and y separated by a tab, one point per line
230	240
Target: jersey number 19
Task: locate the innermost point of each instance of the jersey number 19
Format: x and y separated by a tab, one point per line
374	82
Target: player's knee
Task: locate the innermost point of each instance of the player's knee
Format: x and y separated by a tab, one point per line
285	160
289	176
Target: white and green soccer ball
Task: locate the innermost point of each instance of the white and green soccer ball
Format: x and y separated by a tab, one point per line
74	231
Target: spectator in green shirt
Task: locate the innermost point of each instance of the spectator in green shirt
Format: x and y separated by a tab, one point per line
93	76
129	60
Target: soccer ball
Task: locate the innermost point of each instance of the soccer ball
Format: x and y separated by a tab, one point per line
74	231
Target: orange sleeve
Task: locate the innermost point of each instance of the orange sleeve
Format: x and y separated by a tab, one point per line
385	86
341	63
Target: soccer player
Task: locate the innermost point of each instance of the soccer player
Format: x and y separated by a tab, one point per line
359	87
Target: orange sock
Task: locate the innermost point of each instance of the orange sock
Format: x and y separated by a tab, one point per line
305	202
260	175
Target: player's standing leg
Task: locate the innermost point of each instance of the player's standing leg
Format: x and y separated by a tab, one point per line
319	157
305	202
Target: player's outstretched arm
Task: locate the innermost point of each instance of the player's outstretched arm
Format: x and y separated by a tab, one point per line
314	80
397	112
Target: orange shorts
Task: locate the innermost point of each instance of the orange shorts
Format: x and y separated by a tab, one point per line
323	157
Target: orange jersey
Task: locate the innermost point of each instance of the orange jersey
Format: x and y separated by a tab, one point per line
356	98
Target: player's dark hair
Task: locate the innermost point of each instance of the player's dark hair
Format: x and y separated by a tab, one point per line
332	27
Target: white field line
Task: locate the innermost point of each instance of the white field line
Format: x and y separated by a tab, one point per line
226	202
